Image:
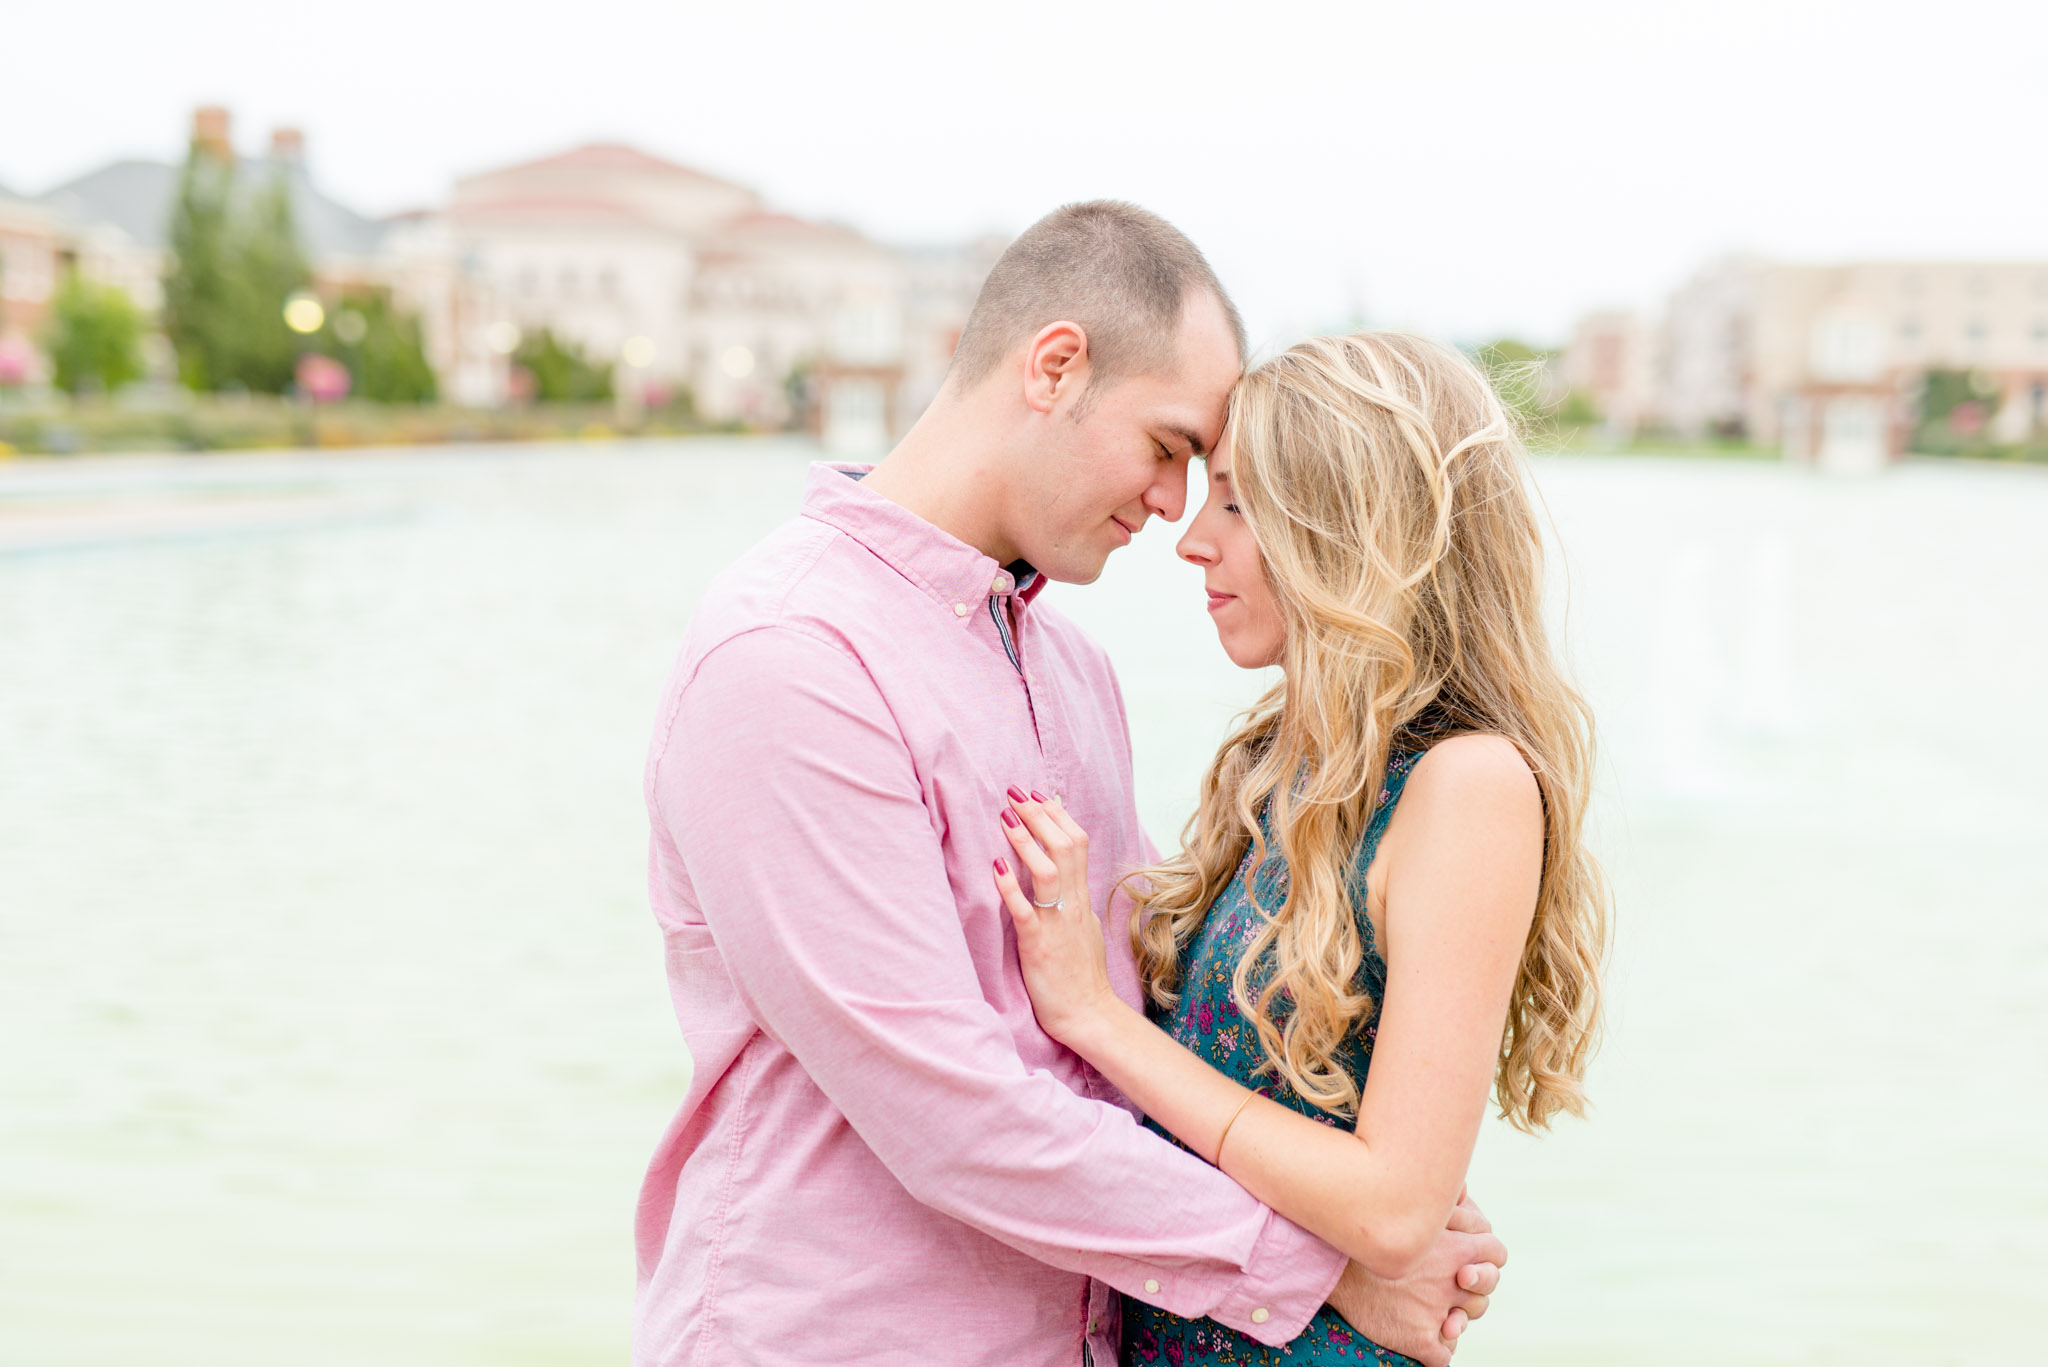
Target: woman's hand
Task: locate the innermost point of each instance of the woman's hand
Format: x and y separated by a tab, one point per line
1059	943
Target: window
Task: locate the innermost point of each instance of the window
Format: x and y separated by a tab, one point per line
1846	348
867	333
856	416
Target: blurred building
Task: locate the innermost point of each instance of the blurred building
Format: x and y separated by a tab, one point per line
1705	368
1610	360
33	251
1826	361
680	280
689	280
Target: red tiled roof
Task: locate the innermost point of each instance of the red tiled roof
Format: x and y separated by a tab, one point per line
585	207
609	156
768	218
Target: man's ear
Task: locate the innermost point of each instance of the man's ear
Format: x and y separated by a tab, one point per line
1055	365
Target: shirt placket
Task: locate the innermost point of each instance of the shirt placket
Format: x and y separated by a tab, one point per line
998	599
1005	610
1101	1325
1044	701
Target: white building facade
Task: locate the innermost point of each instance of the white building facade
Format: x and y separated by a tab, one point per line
684	280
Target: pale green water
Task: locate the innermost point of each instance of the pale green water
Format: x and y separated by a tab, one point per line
332	1028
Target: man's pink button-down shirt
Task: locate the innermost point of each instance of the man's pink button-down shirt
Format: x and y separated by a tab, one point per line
881	1157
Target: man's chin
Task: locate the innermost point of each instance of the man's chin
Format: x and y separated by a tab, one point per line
1074	571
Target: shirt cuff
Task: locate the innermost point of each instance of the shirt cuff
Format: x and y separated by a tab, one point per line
1288	1277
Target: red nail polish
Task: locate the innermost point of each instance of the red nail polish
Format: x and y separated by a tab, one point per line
1037	796
1010	818
1002	868
1017	794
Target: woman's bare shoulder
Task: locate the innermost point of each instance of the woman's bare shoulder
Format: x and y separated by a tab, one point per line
1481	774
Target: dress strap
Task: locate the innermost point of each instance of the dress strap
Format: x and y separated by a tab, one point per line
1400	764
1373	968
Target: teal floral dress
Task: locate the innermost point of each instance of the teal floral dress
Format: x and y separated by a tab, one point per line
1207	1022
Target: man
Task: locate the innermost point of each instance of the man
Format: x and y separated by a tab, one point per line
881	1158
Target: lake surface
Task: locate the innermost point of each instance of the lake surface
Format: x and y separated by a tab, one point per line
332	1022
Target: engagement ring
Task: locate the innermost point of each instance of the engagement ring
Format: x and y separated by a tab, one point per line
1054	905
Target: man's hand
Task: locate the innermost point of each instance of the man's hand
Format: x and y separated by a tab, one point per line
1423	1313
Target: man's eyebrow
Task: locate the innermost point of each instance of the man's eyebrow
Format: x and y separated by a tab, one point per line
1195	447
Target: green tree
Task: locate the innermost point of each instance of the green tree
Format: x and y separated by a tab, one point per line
561	370
235	258
94	336
1579	409
1942	392
199	305
1956	408
381	348
270	266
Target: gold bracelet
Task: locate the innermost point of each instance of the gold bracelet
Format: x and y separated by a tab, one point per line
1226	1127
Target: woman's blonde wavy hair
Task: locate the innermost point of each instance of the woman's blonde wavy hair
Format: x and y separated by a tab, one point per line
1385	486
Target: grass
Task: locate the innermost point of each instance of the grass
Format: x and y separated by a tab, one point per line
185	422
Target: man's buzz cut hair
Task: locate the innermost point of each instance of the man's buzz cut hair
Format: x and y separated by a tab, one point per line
1123	273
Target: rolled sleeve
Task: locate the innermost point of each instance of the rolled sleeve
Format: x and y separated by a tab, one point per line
796	807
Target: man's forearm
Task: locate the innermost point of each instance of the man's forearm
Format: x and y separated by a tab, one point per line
1324	1179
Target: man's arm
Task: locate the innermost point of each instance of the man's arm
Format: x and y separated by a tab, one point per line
791	796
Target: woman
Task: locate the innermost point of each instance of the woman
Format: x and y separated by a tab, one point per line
1384	910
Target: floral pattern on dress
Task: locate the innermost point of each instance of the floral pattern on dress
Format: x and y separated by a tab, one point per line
1207	1021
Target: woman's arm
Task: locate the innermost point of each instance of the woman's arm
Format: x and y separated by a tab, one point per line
1460	867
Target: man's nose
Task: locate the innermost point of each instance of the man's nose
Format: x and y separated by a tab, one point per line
1168	496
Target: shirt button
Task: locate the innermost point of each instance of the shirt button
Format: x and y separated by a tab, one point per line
1002	583
1261	1315
1151	1286
960	609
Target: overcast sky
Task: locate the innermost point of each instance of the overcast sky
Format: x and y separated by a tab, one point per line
1463	168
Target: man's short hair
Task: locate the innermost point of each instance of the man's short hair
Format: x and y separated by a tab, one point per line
1124	274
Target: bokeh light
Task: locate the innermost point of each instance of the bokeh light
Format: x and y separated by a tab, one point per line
303	313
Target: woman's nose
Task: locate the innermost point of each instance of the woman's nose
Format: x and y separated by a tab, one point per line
1193	549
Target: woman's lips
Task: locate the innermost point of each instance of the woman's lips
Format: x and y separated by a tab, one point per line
1217	600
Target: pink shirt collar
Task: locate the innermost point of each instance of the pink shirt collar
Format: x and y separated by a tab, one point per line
951	572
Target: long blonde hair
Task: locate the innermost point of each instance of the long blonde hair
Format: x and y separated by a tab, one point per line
1384	485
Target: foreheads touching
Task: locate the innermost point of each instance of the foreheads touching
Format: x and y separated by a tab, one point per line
1103	350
